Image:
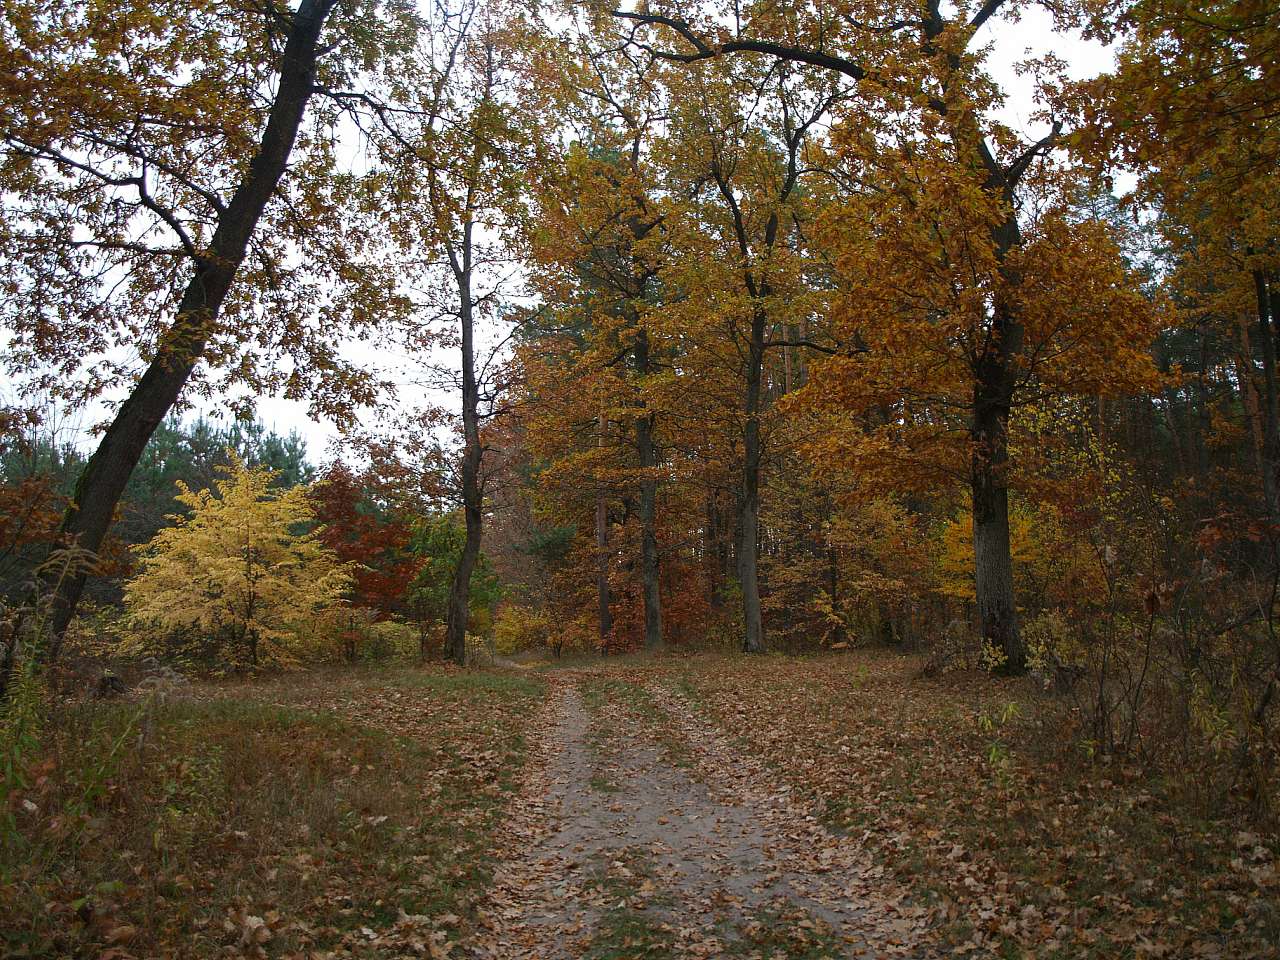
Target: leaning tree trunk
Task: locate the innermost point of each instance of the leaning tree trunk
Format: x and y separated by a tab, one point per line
649	563
749	527
181	347
455	634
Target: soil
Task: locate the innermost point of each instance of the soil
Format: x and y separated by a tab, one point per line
650	834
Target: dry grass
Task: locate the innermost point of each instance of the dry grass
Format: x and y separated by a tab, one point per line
320	811
1021	847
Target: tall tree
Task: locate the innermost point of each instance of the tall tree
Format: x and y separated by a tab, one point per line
1191	107
146	158
599	244
458	147
737	141
914	61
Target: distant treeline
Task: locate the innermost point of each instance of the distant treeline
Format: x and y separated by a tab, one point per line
38	472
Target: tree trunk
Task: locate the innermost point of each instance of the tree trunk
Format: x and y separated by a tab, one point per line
749	529
1250	398
648	510
994	376
455	634
602	554
103	480
993	559
716	553
1270	458
833	588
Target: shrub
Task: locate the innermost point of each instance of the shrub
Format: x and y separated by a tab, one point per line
236	581
518	628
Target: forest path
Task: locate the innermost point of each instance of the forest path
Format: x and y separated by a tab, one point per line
643	832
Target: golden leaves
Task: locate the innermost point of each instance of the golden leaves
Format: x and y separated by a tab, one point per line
237	572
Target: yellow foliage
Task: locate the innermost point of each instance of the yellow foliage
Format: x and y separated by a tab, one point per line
237	580
519	628
1049	564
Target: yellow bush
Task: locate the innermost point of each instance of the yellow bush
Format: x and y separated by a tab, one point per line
519	628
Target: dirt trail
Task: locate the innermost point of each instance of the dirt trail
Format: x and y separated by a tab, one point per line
649	835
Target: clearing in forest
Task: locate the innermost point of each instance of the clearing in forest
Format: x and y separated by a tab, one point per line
696	807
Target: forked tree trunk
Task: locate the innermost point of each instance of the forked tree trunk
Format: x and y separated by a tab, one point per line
649	562
181	347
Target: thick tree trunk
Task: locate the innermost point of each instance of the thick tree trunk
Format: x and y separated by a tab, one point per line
749	529
994	375
103	481
455	633
993	559
649	563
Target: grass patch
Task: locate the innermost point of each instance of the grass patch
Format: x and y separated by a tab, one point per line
296	813
630	926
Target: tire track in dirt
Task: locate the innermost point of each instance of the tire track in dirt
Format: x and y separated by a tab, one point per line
613	847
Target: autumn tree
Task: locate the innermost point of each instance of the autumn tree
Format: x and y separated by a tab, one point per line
239	579
174	195
922	87
1191	108
737	150
597	244
366	531
456	148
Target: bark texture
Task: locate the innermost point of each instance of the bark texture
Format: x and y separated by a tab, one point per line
455	632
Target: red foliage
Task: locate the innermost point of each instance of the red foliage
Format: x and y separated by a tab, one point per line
362	529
